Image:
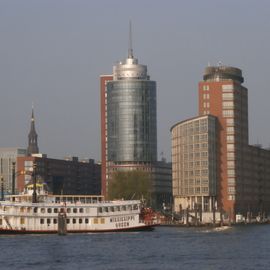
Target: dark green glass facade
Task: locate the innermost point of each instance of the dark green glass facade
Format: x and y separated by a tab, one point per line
131	116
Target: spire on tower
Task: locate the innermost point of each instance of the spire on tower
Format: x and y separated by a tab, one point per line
32	137
130	50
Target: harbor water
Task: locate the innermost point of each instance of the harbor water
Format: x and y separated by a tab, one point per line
239	247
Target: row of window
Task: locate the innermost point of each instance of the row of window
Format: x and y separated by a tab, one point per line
225	87
50	210
69	221
118	208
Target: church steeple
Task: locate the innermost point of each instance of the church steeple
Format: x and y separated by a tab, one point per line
32	137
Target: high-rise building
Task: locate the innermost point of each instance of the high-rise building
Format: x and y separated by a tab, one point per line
32	137
194	155
222	94
242	170
128	119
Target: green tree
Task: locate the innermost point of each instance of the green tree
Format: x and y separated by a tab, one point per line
130	185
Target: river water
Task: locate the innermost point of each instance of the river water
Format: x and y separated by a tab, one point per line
240	247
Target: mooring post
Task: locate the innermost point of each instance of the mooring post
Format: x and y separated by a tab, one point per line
62	223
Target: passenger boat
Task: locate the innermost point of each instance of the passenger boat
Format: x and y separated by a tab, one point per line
70	214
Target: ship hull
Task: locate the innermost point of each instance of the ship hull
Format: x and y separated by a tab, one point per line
131	229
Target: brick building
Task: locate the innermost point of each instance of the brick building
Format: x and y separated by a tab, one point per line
243	176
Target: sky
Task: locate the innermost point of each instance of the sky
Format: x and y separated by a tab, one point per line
53	52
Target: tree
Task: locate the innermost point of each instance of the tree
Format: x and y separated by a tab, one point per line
130	185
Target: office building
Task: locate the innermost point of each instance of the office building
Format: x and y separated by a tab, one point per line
128	119
8	167
194	155
63	176
242	170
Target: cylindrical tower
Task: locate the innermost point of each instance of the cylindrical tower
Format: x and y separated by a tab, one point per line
131	114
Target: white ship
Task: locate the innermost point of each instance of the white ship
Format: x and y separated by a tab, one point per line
70	214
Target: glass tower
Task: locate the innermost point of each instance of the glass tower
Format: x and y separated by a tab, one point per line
131	113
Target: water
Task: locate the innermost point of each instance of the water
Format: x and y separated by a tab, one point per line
243	247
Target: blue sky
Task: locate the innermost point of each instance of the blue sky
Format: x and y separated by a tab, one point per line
53	52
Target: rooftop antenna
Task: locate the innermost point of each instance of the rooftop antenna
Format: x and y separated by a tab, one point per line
130	51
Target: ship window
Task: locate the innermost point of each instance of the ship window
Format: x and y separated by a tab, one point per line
124	208
1	222
74	220
95	221
54	221
22	209
81	210
35	209
112	209
135	207
106	209
74	210
68	220
55	210
100	209
49	210
42	210
42	221
28	209
68	210
80	220
102	221
22	221
86	220
48	221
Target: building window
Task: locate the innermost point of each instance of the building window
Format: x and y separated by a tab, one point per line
205	87
231	181
227	104
231	172
228	113
227	87
230	129
230	164
227	96
230	122
231	156
231	190
230	147
230	138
